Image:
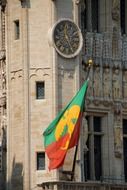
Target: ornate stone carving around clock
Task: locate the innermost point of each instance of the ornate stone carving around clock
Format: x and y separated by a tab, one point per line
67	38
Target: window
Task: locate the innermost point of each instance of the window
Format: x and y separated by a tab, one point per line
89	16
40	90
93	158
40	161
0	158
94	16
97	124
16	29
122	16
125	147
84	16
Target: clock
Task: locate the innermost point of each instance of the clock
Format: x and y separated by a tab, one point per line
67	38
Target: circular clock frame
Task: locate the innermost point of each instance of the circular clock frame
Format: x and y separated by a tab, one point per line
67	38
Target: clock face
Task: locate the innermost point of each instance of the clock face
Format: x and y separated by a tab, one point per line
67	38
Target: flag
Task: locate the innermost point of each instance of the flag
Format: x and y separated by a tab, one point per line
63	132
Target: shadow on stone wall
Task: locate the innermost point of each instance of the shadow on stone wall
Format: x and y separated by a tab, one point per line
3	160
2	182
16	180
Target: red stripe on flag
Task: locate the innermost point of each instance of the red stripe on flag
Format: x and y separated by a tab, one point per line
55	152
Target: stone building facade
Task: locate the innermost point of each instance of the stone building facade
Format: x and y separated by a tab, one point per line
36	83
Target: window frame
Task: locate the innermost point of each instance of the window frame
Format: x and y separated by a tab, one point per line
91	154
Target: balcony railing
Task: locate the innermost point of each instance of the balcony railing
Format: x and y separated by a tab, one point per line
62	185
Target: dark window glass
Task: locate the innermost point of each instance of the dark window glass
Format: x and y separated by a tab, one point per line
83	21
0	158
97	124
17	29
125	157
84	17
94	19
97	157
89	16
124	126
93	155
122	16
40	90
40	161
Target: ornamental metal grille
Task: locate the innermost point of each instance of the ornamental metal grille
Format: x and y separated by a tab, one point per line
40	90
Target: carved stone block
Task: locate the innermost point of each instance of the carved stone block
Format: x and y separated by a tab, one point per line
3	101
2	54
118	139
125	84
97	82
106	83
116	84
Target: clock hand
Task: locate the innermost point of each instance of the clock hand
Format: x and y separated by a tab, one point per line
67	38
65	30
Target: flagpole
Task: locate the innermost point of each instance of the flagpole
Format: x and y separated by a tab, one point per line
90	62
88	65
